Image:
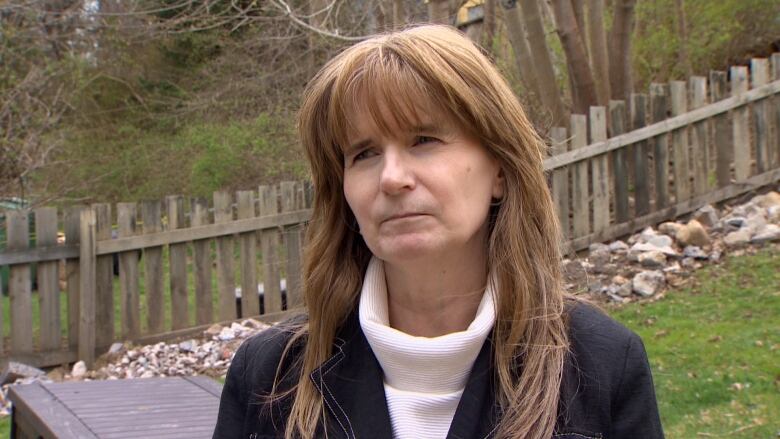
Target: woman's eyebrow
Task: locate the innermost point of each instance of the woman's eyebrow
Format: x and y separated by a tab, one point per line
357	146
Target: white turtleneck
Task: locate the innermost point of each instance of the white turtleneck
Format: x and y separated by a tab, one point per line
424	377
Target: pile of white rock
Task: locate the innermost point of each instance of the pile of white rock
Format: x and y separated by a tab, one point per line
649	261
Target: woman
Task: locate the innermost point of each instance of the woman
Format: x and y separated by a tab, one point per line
432	271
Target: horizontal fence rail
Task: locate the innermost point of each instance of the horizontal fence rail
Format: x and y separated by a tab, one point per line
82	278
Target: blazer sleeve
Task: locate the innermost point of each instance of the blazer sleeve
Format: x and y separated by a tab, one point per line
634	407
233	402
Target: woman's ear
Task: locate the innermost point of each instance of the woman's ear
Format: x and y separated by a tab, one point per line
498	185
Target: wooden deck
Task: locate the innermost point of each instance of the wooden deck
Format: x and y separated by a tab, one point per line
160	408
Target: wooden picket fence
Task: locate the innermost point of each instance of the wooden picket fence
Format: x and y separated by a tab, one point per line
614	171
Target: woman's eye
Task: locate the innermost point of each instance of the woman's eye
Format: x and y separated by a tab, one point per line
424	139
366	153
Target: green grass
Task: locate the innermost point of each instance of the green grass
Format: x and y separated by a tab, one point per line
713	347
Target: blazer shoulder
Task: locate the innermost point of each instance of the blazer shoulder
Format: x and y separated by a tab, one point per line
264	351
591	328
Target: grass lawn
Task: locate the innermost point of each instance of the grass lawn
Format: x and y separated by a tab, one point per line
713	347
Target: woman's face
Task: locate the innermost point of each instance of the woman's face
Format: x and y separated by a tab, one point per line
419	192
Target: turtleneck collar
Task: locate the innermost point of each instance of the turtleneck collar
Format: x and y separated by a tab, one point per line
420	364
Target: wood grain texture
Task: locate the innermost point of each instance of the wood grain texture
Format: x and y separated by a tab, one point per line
639	104
560	182
599	170
579	194
19	284
292	200
48	280
721	131
104	277
759	75
226	274
72	223
680	153
177	265
250	300
701	152
269	243
658	108
130	303
151	213
204	305
87	286
740	125
619	159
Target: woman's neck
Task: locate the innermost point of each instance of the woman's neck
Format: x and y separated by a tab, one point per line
435	299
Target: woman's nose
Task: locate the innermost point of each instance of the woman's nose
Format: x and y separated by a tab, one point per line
396	174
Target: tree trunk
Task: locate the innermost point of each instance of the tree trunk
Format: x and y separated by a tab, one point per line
519	41
578	6
620	82
584	91
598	50
488	25
542	62
439	11
682	28
399	14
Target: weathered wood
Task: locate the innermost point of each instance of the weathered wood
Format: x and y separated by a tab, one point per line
72	223
104	275
291	202
204	232
759	75
44	414
658	107
19	285
48	280
665	126
269	241
177	264
250	300
619	158
39	254
204	305
641	151
774	117
226	280
680	154
740	123
700	145
130	303
560	182
721	131
87	286
151	212
599	169
671	212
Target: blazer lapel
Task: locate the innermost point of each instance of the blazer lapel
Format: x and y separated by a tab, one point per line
351	384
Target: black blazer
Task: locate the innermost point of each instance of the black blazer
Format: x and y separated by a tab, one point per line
607	389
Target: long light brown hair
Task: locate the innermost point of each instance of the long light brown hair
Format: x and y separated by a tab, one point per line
436	67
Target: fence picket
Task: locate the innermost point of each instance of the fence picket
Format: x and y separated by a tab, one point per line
226	274
658	106
617	122
700	145
759	75
599	170
72	222
291	201
177	264
740	124
680	154
104	277
269	241
128	274
204	306
774	116
721	134
250	302
580	196
48	280
87	286
19	285
151	212
560	182
641	152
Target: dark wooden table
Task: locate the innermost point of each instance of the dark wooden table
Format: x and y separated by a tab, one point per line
159	408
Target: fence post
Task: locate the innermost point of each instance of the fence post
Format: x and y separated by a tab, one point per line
680	155
658	105
48	280
177	265
88	285
292	238
153	268
128	274
250	301
700	146
560	182
204	306
775	116
741	142
19	286
721	135
599	170
226	280
617	121
759	75
269	241
579	191
641	151
104	275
